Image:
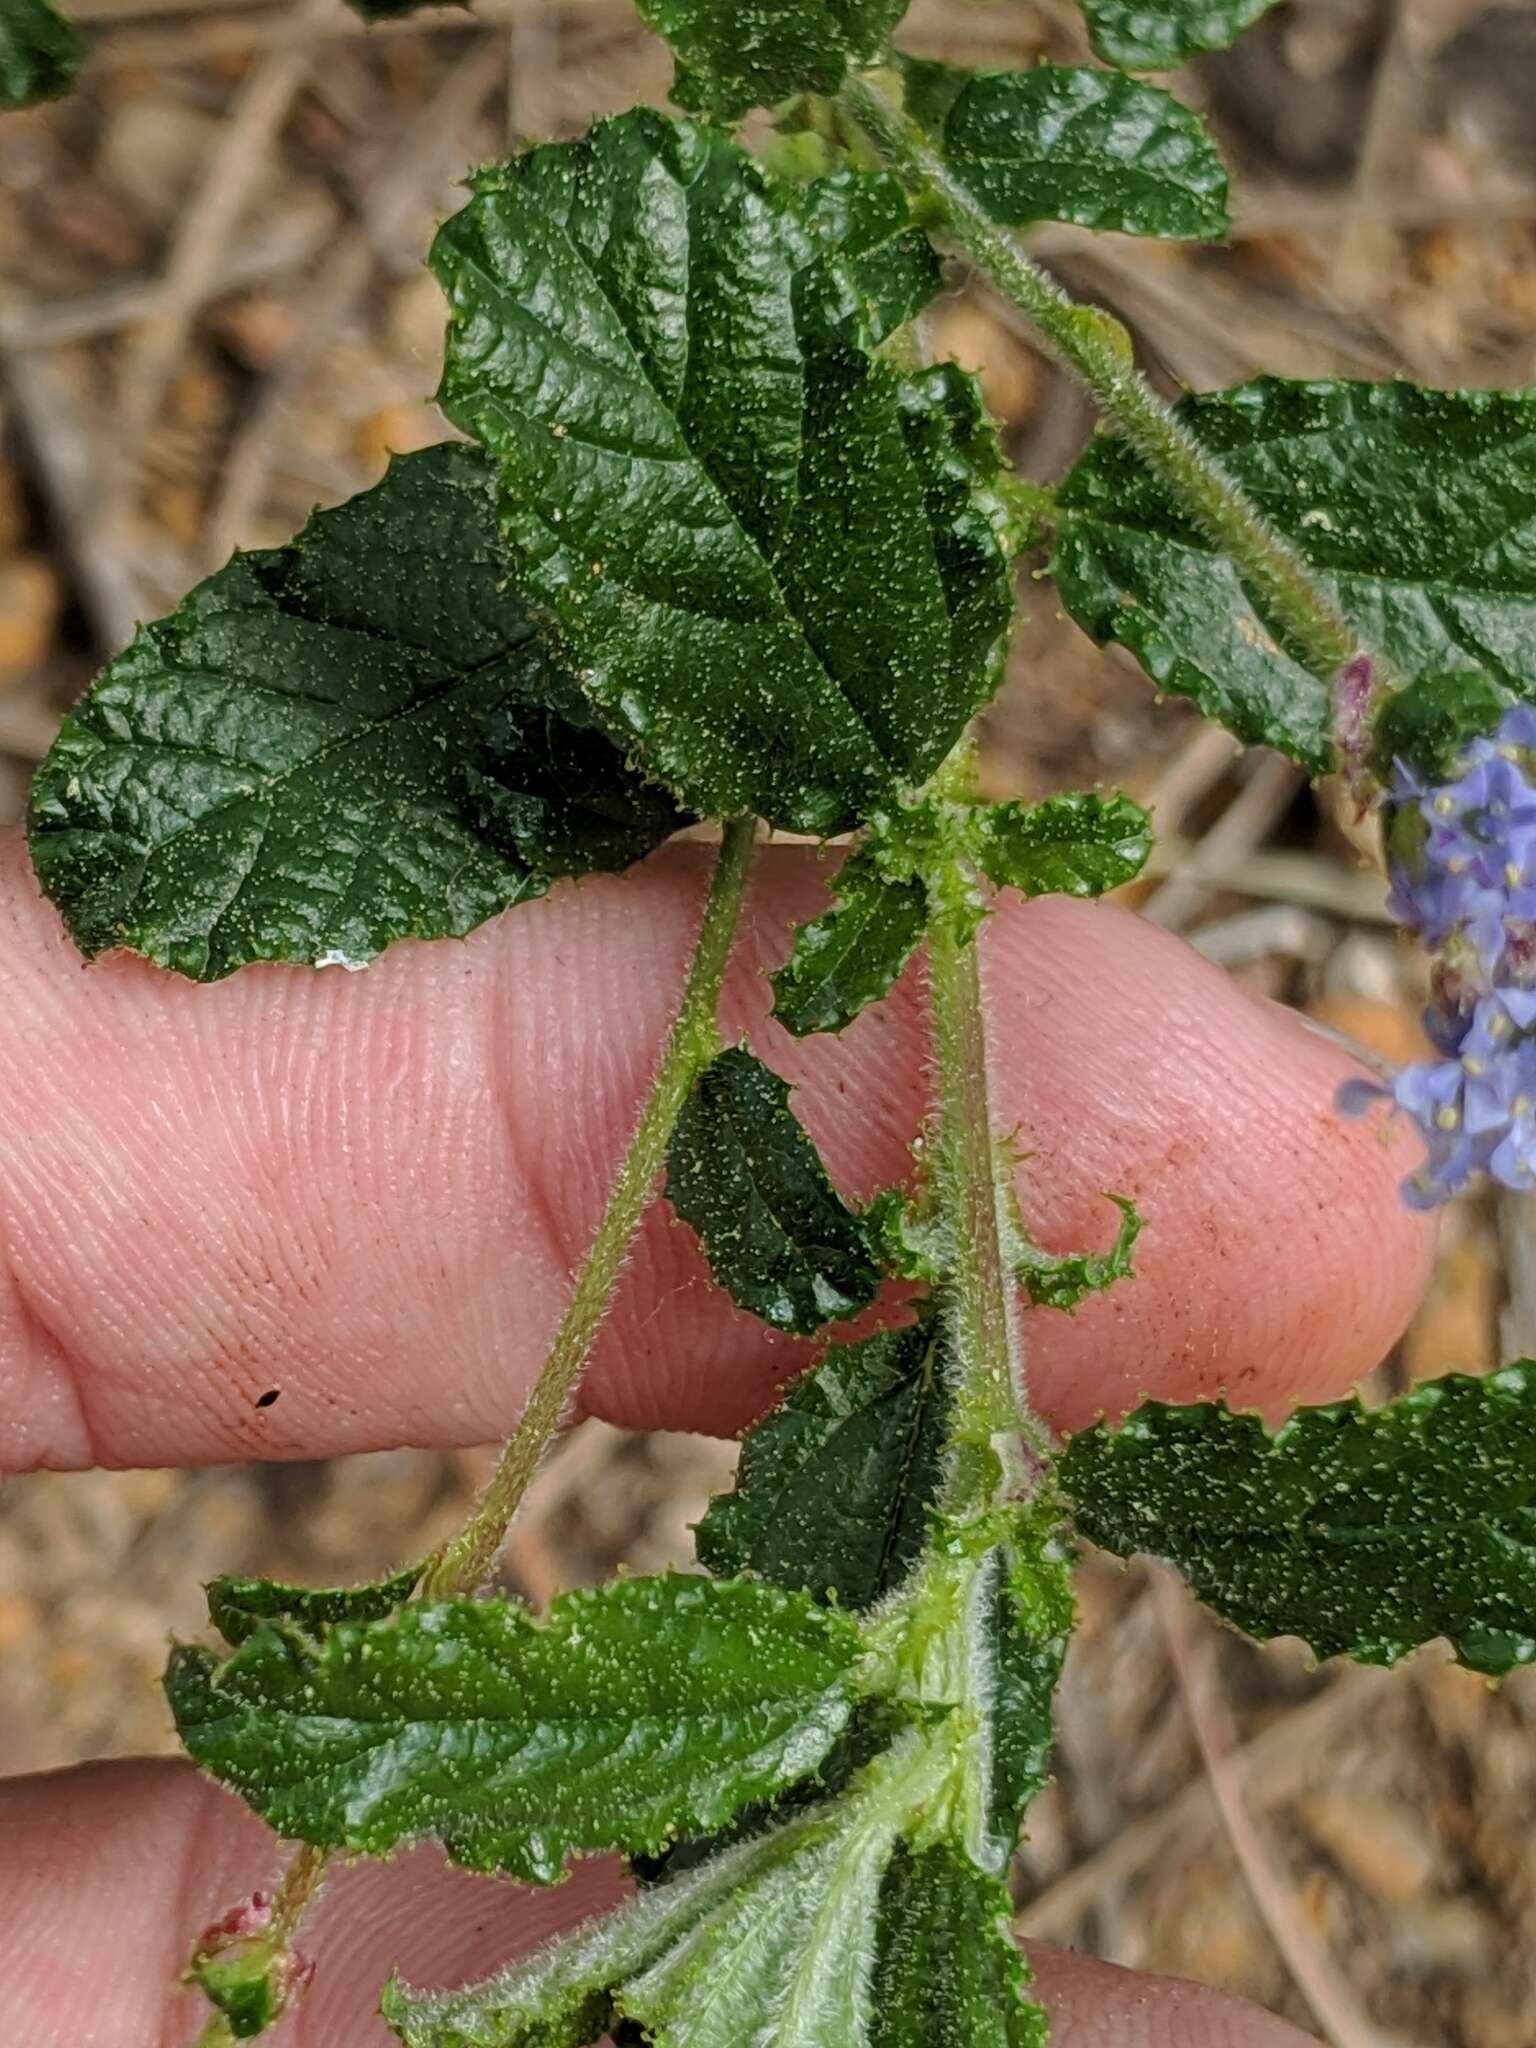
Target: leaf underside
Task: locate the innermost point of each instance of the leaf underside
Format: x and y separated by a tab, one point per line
1364	1533
1410	507
637	1709
771	1942
40	53
1152	35
705	471
356	738
743	1172
1069	143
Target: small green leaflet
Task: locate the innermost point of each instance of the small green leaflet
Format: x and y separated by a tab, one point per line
949	1974
833	1491
705	471
1365	1534
1075	844
40	53
1063	1279
238	1606
1073	144
355	738
1154	35
865	219
736	54
850	956
742	1171
1403	501
637	1709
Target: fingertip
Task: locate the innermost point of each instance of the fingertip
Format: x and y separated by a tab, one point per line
1097	2005
1277	1261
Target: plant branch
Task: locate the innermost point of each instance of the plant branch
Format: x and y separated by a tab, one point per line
1096	348
465	1562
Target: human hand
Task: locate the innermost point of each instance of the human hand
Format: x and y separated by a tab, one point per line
367	1193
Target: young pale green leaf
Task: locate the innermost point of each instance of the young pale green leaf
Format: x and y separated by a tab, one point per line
1069	845
851	955
786	1961
742	1171
1064	1279
40	53
1364	1533
771	1941
639	1708
1401	500
562	1996
736	54
1154	35
237	1607
1069	143
949	1974
865	219
705	472
833	1492
355	738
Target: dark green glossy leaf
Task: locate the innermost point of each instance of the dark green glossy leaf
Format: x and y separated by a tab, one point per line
865	219
851	955
834	1487
353	739
1366	1534
1154	35
639	1708
238	1606
1070	845
949	1973
1069	143
1033	1617
1408	504
705	473
736	54
742	1171
40	53
1063	1279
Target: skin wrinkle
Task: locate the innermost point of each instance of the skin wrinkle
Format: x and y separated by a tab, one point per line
340	1185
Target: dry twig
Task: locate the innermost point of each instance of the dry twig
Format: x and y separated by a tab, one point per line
1312	1969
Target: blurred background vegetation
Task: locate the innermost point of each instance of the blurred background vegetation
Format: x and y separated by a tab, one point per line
213	316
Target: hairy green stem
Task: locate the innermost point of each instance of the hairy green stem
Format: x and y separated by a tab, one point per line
464	1563
979	1295
1094	346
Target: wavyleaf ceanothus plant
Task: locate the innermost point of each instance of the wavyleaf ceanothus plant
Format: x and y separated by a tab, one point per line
720	548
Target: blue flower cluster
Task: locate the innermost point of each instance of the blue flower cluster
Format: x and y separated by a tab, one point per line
1464	882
